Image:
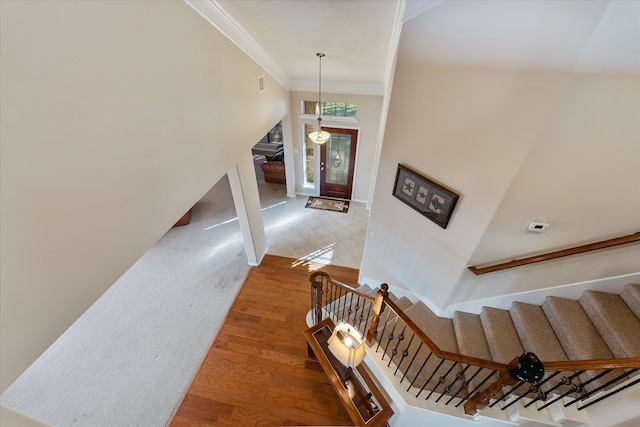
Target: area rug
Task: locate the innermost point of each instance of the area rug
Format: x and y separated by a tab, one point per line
327	204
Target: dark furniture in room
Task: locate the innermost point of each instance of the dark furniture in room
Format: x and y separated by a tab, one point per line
273	168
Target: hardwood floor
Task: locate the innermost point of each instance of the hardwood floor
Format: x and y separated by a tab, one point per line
257	371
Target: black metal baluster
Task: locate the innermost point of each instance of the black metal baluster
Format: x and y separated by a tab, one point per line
384	327
390	338
395	349
563	381
350	305
441	381
336	302
355	313
575	388
364	331
326	296
343	302
405	353
447	389
420	370
505	394
543	395
334	290
476	388
430	376
464	384
532	389
632	383
605	385
411	362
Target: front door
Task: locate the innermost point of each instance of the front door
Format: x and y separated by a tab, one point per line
337	163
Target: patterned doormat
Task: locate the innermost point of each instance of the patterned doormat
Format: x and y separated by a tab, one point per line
328	204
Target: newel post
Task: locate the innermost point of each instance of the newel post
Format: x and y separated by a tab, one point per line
378	308
526	368
317	281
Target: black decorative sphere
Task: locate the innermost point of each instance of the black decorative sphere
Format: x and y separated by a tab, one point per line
529	369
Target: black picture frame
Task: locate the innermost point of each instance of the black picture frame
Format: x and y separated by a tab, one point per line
424	195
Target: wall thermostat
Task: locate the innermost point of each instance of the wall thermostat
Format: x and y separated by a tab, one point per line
538	227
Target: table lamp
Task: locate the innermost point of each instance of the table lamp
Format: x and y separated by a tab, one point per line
346	344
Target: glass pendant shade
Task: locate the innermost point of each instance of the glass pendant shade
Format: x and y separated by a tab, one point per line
319	136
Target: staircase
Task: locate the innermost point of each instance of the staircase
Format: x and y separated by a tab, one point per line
590	349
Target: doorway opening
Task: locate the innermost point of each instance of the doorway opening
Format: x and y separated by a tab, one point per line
337	163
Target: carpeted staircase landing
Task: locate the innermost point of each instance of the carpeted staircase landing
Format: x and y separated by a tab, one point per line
598	325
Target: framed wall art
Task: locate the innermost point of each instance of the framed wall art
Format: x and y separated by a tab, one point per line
424	195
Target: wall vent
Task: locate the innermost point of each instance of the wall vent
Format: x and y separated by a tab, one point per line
262	84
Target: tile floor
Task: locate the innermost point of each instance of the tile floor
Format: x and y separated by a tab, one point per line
292	230
323	237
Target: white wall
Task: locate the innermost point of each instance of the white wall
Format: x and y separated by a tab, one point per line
116	118
13	418
368	115
583	176
515	144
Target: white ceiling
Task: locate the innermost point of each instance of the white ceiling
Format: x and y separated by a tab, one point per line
593	35
357	36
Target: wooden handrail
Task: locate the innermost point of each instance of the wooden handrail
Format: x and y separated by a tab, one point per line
479	399
314	282
631	238
455	357
563	365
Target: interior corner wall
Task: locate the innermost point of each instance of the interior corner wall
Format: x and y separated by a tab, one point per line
469	129
583	177
368	115
515	144
116	118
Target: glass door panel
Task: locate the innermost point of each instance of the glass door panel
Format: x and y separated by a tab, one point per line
337	161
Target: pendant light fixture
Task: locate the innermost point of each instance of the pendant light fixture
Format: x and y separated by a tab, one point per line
319	136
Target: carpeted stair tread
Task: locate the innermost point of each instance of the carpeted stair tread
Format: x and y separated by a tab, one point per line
560	329
403	303
535	332
575	331
537	336
631	296
579	337
386	312
364	289
387	315
471	341
387	319
440	330
614	320
502	337
470	335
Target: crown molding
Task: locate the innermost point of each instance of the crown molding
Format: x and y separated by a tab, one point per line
338	87
219	18
394	42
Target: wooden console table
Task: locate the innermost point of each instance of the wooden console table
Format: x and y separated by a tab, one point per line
363	400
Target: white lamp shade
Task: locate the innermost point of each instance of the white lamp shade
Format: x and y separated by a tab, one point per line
346	344
319	136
